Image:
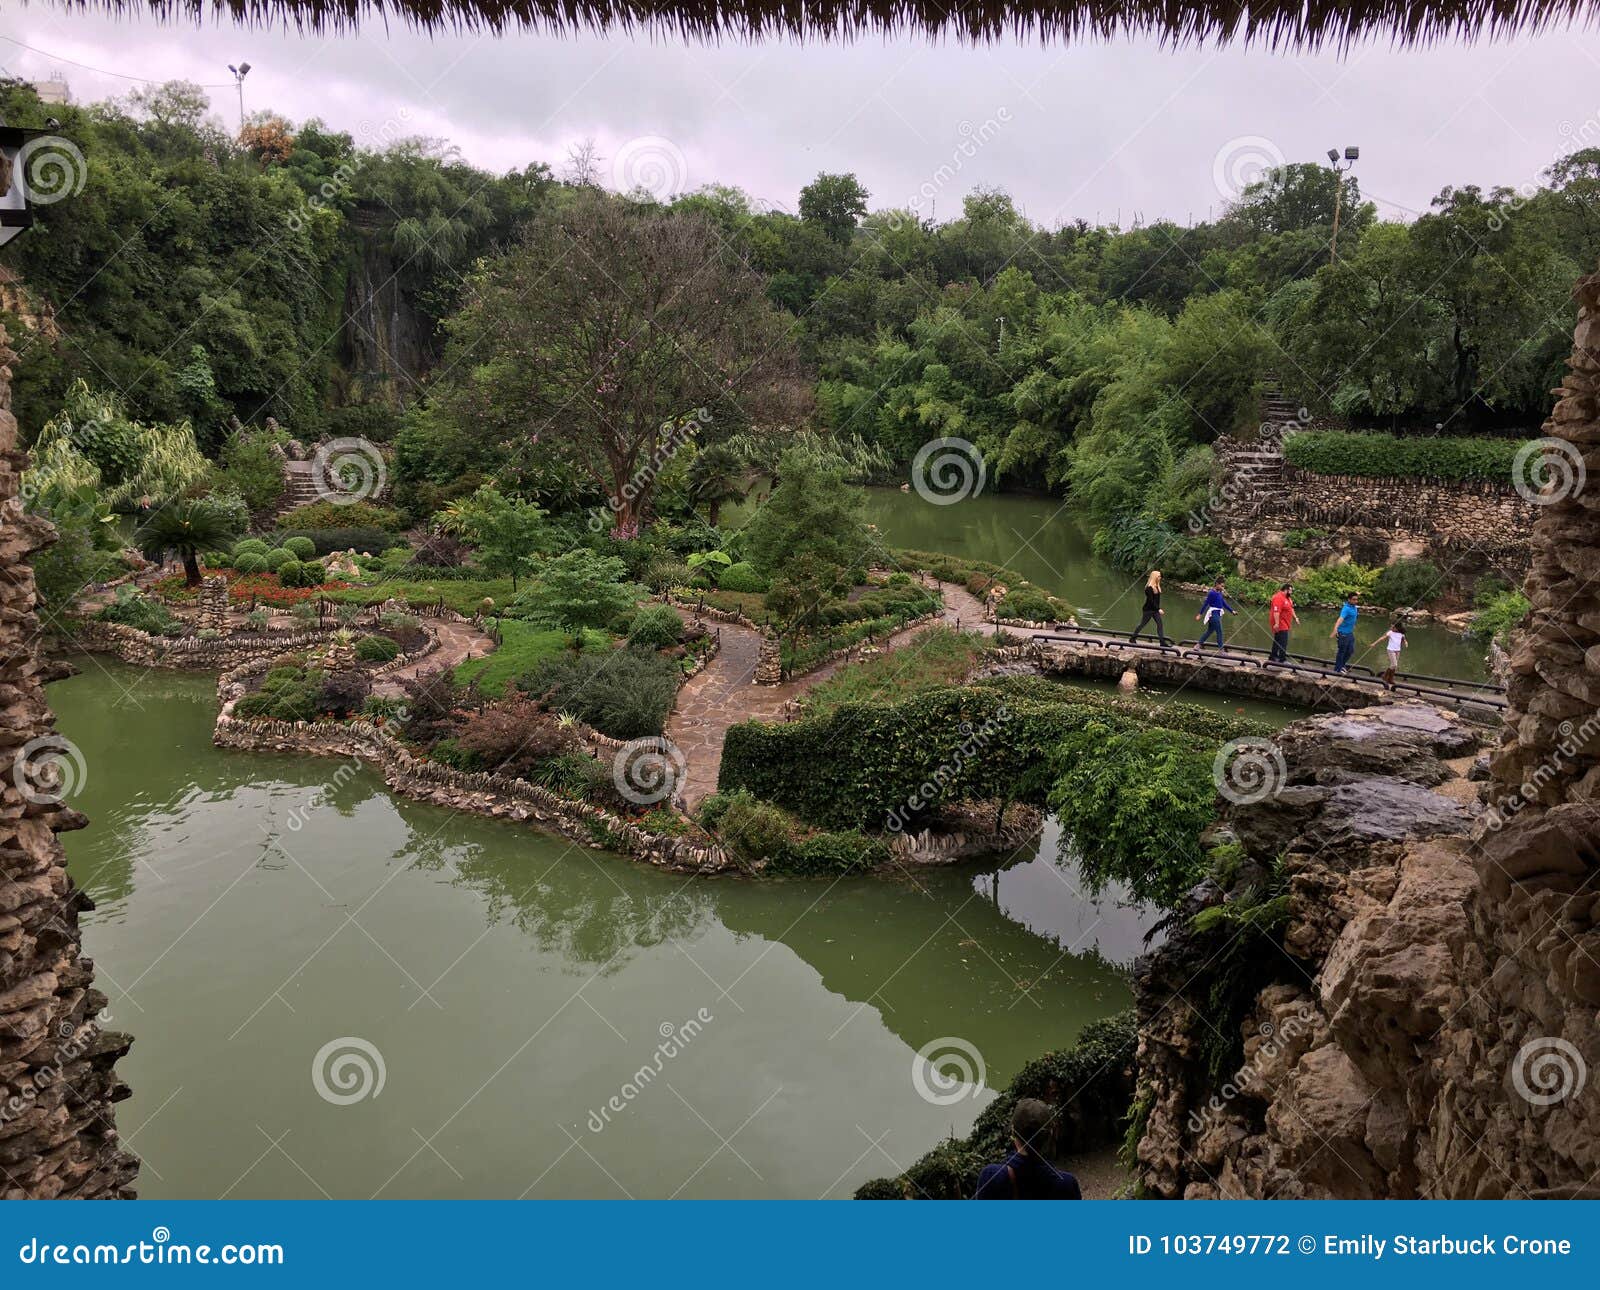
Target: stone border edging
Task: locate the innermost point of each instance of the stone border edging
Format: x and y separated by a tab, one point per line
142	649
483	793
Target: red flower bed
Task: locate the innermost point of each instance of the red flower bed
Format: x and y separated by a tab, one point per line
262	588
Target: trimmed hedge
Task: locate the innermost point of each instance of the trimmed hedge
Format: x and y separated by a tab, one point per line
1385	456
864	765
1091	1084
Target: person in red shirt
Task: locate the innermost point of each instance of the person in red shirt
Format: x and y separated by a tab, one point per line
1280	617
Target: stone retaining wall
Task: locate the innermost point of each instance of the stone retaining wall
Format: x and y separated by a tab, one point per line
188	652
1465	526
497	796
58	1078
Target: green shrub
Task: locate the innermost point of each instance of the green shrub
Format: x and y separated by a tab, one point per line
327	541
258	620
377	649
278	557
752	829
1332	583
831	853
356	515
656	626
623	693
1139	543
1132	806
250	546
216	559
664	574
291	573
250	562
1339	452
303	548
1407	583
872	765
1294	539
286	694
388	706
741	577
1498	614
1028	603
134	610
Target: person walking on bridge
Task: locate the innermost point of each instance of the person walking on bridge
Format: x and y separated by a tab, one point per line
1152	610
1280	617
1344	635
1211	610
1395	639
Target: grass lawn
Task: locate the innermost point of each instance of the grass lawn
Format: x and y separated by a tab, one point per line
521	650
937	657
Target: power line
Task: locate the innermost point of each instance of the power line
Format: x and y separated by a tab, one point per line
100	71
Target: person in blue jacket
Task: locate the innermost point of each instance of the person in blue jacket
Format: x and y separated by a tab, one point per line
1026	1174
1211	610
1344	635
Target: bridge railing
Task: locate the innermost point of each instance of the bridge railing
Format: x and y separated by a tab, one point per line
1411	682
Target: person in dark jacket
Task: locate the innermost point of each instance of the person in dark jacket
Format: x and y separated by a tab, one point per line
1214	606
1152	609
1026	1174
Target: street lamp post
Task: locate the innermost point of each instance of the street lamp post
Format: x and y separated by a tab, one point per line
239	73
1350	157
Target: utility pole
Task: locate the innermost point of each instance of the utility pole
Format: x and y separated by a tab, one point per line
1350	156
239	73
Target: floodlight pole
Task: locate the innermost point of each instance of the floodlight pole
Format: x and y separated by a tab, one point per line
1350	155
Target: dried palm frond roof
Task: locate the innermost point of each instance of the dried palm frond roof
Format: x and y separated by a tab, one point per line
1290	24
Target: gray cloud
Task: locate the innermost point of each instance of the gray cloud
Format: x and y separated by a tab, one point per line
1095	131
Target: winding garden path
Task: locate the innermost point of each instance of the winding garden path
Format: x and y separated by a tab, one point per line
726	693
457	642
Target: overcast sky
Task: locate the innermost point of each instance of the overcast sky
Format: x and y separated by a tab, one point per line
1089	131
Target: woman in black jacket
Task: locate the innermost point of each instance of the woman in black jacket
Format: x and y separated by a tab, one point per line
1152	609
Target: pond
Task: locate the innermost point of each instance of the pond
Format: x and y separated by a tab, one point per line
259	913
1046	543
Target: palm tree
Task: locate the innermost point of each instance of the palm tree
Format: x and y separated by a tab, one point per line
716	476
185	528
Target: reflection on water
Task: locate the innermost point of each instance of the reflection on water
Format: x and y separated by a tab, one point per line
255	911
1045	542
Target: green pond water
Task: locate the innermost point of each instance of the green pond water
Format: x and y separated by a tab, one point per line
1045	542
255	911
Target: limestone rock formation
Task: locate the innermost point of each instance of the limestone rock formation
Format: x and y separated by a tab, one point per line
58	1137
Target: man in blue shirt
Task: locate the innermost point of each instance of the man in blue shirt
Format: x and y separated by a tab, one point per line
1026	1173
1344	635
1211	610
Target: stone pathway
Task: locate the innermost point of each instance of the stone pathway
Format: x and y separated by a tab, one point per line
725	693
458	641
